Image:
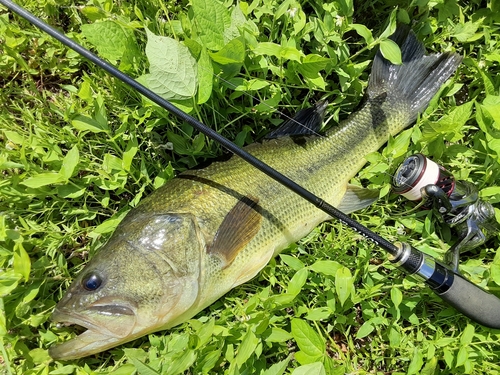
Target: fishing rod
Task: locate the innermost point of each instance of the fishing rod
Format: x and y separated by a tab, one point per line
468	298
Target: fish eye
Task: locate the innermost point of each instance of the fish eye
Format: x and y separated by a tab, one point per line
91	282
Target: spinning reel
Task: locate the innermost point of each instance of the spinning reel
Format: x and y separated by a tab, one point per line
456	203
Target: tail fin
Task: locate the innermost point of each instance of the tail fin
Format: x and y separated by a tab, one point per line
419	77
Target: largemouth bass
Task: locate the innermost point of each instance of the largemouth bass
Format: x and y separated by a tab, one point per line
209	230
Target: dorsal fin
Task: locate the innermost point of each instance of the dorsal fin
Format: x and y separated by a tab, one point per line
307	121
239	226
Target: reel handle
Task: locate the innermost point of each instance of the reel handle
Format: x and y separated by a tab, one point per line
465	296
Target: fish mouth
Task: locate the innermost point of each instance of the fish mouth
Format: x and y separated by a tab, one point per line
105	326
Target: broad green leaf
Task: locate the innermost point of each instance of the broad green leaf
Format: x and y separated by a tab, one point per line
316	368
231	53
246	348
22	262
43	179
363	31
297	282
8	281
237	21
365	330
129	153
430	366
173	70
465	32
69	163
182	363
462	356
308	340
467	335
278	335
144	369
293	262
268	48
14	137
212	19
125	369
391	51
343	284
416	362
278	368
205	77
320	313
450	125
109	38
396	296
326	267
83	123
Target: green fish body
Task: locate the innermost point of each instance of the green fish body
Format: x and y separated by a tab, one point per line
209	230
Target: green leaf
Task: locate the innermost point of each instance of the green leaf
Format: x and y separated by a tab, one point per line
22	262
365	330
142	368
363	31
297	282
466	32
69	163
205	77
311	344
278	335
316	368
292	262
417	361
173	70
109	38
83	123
8	281
391	51
43	179
396	296
343	284
212	19
278	368
231	53
467	335
129	153
181	363
326	267
462	356
246	348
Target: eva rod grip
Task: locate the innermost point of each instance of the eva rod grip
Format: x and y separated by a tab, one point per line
473	301
465	296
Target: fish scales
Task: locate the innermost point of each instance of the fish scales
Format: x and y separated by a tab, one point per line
209	230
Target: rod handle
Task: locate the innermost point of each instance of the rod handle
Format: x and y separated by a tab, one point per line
472	301
465	296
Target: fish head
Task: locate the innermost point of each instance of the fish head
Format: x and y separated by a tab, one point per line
144	279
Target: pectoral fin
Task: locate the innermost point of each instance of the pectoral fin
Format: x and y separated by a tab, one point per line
356	198
239	226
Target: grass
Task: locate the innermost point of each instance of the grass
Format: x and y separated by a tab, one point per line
79	149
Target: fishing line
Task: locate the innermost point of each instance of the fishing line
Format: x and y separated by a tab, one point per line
451	287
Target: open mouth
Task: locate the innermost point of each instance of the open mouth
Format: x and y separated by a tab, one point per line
99	329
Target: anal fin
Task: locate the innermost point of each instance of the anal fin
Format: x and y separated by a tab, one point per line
356	198
239	226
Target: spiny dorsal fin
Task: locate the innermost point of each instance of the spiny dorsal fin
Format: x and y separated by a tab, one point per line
307	121
239	226
356	198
